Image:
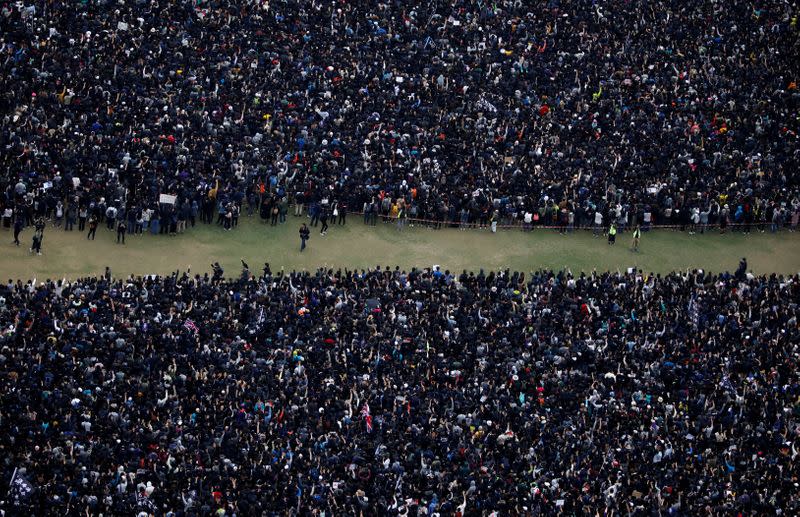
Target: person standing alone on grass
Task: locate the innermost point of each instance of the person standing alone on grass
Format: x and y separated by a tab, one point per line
612	234
121	228
36	246
18	225
313	212
82	215
323	218
342	212
69	218
305	233
637	235
92	227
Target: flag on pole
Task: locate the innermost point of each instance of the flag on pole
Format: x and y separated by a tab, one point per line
20	489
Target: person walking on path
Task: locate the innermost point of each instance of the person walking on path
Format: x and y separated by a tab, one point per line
637	235
305	234
342	212
612	235
82	215
18	225
323	218
36	246
69	218
121	228
92	227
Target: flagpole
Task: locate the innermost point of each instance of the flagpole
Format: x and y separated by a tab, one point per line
11	484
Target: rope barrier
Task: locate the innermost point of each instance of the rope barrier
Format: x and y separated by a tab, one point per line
533	225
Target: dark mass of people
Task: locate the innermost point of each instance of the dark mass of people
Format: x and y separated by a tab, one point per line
384	391
631	112
390	392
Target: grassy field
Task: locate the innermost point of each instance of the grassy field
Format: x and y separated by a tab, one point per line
70	255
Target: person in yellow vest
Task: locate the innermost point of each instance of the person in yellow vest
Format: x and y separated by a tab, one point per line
612	235
637	235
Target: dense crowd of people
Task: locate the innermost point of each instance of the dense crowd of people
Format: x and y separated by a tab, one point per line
383	391
464	112
389	392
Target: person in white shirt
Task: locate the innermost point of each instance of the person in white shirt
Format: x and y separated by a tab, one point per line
694	218
528	220
598	222
147	213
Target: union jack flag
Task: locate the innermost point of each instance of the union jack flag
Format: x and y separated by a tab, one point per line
367	417
189	325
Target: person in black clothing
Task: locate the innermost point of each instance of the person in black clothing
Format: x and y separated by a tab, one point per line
36	245
218	272
401	392
18	226
69	218
121	229
438	106
82	215
92	227
235	209
305	234
323	218
741	271
274	216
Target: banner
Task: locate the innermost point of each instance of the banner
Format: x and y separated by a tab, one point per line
168	199
20	490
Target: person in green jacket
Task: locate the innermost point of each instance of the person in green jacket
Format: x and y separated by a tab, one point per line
612	235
